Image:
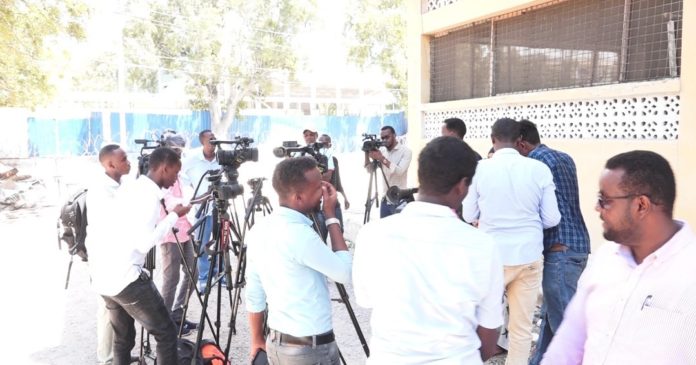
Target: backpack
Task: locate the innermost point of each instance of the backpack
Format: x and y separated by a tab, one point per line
73	221
208	354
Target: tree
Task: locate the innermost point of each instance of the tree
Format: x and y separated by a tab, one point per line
228	50
376	30
26	26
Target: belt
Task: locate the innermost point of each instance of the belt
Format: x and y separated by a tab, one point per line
284	338
557	247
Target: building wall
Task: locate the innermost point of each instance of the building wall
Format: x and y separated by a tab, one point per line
672	133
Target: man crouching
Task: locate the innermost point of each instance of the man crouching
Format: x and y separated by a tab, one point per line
287	267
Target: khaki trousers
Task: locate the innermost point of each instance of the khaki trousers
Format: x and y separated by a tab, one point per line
522	283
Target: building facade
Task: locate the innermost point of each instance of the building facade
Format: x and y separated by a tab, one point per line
598	77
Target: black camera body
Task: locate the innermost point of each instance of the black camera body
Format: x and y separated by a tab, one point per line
144	158
293	149
230	161
371	142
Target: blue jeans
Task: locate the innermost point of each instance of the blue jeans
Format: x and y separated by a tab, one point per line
321	221
386	209
204	260
562	270
140	301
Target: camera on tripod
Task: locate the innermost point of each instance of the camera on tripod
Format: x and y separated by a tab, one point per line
144	158
371	142
292	149
230	161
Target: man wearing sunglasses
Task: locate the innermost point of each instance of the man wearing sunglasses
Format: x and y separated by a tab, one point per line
636	301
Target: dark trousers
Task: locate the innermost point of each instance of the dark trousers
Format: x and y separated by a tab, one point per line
386	209
321	221
140	301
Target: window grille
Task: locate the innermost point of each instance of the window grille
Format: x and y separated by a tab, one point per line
561	44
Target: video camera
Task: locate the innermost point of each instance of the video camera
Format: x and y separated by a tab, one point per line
230	161
371	142
292	149
144	158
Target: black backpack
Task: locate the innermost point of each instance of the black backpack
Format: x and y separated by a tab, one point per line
72	227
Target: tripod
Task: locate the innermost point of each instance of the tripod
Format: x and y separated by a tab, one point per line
344	299
374	165
257	203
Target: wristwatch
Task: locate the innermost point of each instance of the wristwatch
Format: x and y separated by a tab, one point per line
331	221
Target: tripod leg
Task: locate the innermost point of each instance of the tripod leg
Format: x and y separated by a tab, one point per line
344	297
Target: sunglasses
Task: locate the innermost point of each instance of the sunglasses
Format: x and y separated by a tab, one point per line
603	201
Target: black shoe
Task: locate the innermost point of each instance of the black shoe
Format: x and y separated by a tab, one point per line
191	325
186	330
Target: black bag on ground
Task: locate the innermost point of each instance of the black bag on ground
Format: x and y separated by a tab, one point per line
208	354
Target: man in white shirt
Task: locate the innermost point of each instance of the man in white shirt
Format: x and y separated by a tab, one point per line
434	283
513	198
288	265
100	200
394	159
636	301
117	265
194	167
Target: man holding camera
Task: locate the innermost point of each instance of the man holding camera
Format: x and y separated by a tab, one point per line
287	268
198	162
117	265
394	159
434	283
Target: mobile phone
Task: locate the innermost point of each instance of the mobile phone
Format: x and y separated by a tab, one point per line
260	358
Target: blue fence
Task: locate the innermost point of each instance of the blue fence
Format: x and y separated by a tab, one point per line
84	135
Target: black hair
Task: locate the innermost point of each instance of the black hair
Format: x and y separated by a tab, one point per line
200	135
289	174
389	128
456	125
107	150
529	132
648	173
443	163
163	156
506	130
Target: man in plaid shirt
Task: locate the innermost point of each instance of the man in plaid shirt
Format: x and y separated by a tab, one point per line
567	245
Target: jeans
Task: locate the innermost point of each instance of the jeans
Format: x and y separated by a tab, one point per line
172	269
562	270
204	259
105	334
140	301
321	221
386	209
286	354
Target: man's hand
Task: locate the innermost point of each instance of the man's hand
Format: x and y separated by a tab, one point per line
181	210
330	199
376	155
256	347
347	203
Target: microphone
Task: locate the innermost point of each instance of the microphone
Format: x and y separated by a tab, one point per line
142	141
394	194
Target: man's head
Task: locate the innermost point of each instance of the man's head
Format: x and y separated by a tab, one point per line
298	183
454	127
325	140
445	168
115	161
388	136
310	135
633	188
505	133
204	137
164	166
529	137
175	142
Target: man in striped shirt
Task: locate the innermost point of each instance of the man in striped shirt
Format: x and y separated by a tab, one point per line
567	245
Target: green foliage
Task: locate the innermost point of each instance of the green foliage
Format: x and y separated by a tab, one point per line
27	29
226	50
377	37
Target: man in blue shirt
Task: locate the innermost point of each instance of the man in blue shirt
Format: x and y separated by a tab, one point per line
287	267
567	245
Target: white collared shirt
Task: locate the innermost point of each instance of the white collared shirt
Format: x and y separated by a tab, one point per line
397	172
287	267
135	230
625	313
430	280
513	197
194	166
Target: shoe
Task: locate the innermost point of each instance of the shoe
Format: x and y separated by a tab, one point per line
191	325
186	330
134	359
